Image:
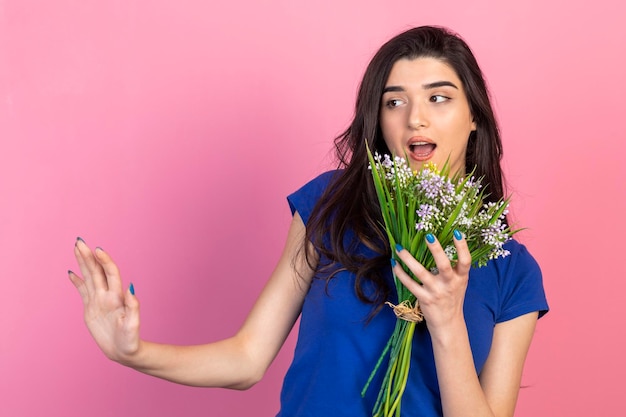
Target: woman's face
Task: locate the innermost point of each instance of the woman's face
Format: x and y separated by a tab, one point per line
425	113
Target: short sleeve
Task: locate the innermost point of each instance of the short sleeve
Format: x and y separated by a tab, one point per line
521	286
308	195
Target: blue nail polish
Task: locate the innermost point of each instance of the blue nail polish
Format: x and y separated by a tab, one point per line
132	288
457	235
393	263
399	247
100	249
430	238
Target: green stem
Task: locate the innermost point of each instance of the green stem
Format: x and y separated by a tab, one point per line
393	345
405	363
396	377
391	384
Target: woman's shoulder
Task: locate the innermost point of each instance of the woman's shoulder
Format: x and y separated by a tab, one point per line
304	199
515	262
520	281
519	255
322	180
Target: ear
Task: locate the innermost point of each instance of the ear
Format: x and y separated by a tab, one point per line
473	124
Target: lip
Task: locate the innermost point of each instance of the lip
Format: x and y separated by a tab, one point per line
420	157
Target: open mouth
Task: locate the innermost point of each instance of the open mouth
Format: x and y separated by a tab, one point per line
421	150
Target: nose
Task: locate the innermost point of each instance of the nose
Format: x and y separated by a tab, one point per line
418	116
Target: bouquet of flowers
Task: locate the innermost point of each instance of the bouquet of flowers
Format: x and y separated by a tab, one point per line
413	204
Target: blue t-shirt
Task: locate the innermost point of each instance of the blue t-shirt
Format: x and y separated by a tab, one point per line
337	348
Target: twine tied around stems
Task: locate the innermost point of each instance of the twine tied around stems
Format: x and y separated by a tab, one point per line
406	312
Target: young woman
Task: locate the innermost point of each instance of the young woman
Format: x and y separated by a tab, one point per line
422	95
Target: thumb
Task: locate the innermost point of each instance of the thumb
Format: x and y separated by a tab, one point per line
132	306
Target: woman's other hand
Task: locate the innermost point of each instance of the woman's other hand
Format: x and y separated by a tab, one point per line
111	314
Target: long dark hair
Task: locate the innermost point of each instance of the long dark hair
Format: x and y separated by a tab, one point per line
350	202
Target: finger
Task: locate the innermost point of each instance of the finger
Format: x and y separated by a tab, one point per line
111	271
84	270
414	266
90	268
441	259
80	286
416	289
464	257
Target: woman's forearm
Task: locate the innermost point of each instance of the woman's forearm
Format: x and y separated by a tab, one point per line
495	393
221	364
461	392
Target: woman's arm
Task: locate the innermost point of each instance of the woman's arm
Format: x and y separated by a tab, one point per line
112	317
495	393
441	299
501	375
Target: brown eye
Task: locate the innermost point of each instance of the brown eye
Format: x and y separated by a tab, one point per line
438	99
393	103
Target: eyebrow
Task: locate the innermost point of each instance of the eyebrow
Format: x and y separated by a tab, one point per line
429	86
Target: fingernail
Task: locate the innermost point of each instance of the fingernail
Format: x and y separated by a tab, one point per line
99	248
393	263
430	238
131	288
79	239
399	247
70	272
457	235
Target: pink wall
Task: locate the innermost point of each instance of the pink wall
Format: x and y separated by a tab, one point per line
169	133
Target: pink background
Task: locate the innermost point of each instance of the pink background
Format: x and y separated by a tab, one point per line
169	133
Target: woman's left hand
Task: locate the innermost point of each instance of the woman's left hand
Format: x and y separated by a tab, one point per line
440	296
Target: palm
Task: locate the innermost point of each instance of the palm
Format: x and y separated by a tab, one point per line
112	317
106	320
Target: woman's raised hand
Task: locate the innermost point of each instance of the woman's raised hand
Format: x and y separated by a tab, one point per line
111	314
